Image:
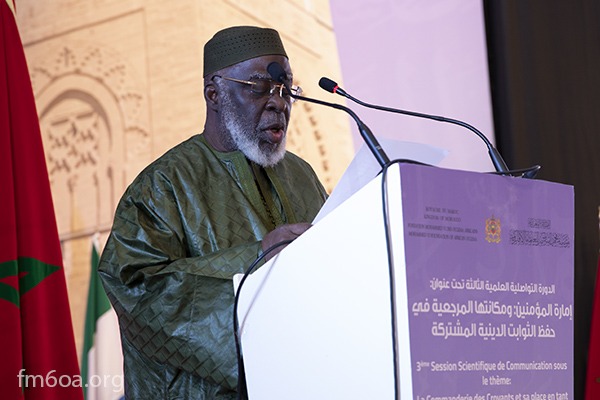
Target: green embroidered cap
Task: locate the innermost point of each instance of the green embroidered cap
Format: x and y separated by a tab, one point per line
240	43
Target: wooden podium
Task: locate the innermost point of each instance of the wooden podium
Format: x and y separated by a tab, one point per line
483	293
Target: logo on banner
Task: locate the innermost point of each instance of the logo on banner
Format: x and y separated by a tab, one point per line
492	230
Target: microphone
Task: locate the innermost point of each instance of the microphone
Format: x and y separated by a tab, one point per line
278	74
499	164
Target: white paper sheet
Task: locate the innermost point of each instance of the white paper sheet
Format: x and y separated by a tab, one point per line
364	167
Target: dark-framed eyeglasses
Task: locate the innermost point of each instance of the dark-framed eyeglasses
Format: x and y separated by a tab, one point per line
263	86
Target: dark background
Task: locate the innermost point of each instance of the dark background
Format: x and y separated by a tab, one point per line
544	60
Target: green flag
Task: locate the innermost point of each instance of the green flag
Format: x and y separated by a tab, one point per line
102	363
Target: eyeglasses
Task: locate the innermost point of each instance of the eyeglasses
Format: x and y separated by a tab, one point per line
262	87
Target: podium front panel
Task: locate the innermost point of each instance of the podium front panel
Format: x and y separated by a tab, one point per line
489	263
484	295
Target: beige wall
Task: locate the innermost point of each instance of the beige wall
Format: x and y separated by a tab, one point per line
117	83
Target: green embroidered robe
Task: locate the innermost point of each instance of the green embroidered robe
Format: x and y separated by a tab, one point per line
184	227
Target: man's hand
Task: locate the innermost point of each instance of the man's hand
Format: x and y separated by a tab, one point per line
281	233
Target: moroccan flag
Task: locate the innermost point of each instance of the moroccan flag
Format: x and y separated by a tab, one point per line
102	363
37	348
592	387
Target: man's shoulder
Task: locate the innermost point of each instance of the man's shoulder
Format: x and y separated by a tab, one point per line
182	161
293	162
190	150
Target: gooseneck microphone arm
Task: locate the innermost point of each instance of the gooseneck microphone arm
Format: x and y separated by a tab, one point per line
499	164
278	74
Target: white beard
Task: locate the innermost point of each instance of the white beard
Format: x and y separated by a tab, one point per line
246	140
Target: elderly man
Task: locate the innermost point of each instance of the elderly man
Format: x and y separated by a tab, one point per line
202	213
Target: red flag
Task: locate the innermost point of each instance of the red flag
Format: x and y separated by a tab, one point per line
592	386
38	357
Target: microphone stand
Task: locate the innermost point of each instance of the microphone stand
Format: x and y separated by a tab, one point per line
278	74
499	164
495	156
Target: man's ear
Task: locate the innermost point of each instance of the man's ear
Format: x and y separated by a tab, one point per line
211	95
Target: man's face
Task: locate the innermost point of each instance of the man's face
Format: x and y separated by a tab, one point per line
255	124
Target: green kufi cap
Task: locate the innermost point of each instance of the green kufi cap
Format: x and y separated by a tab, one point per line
240	43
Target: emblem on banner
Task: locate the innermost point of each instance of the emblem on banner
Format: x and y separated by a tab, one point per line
492	230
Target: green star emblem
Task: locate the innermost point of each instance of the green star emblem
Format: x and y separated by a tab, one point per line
30	272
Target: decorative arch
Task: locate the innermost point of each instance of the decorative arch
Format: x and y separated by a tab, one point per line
94	120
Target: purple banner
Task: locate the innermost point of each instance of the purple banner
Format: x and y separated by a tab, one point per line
426	56
490	285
